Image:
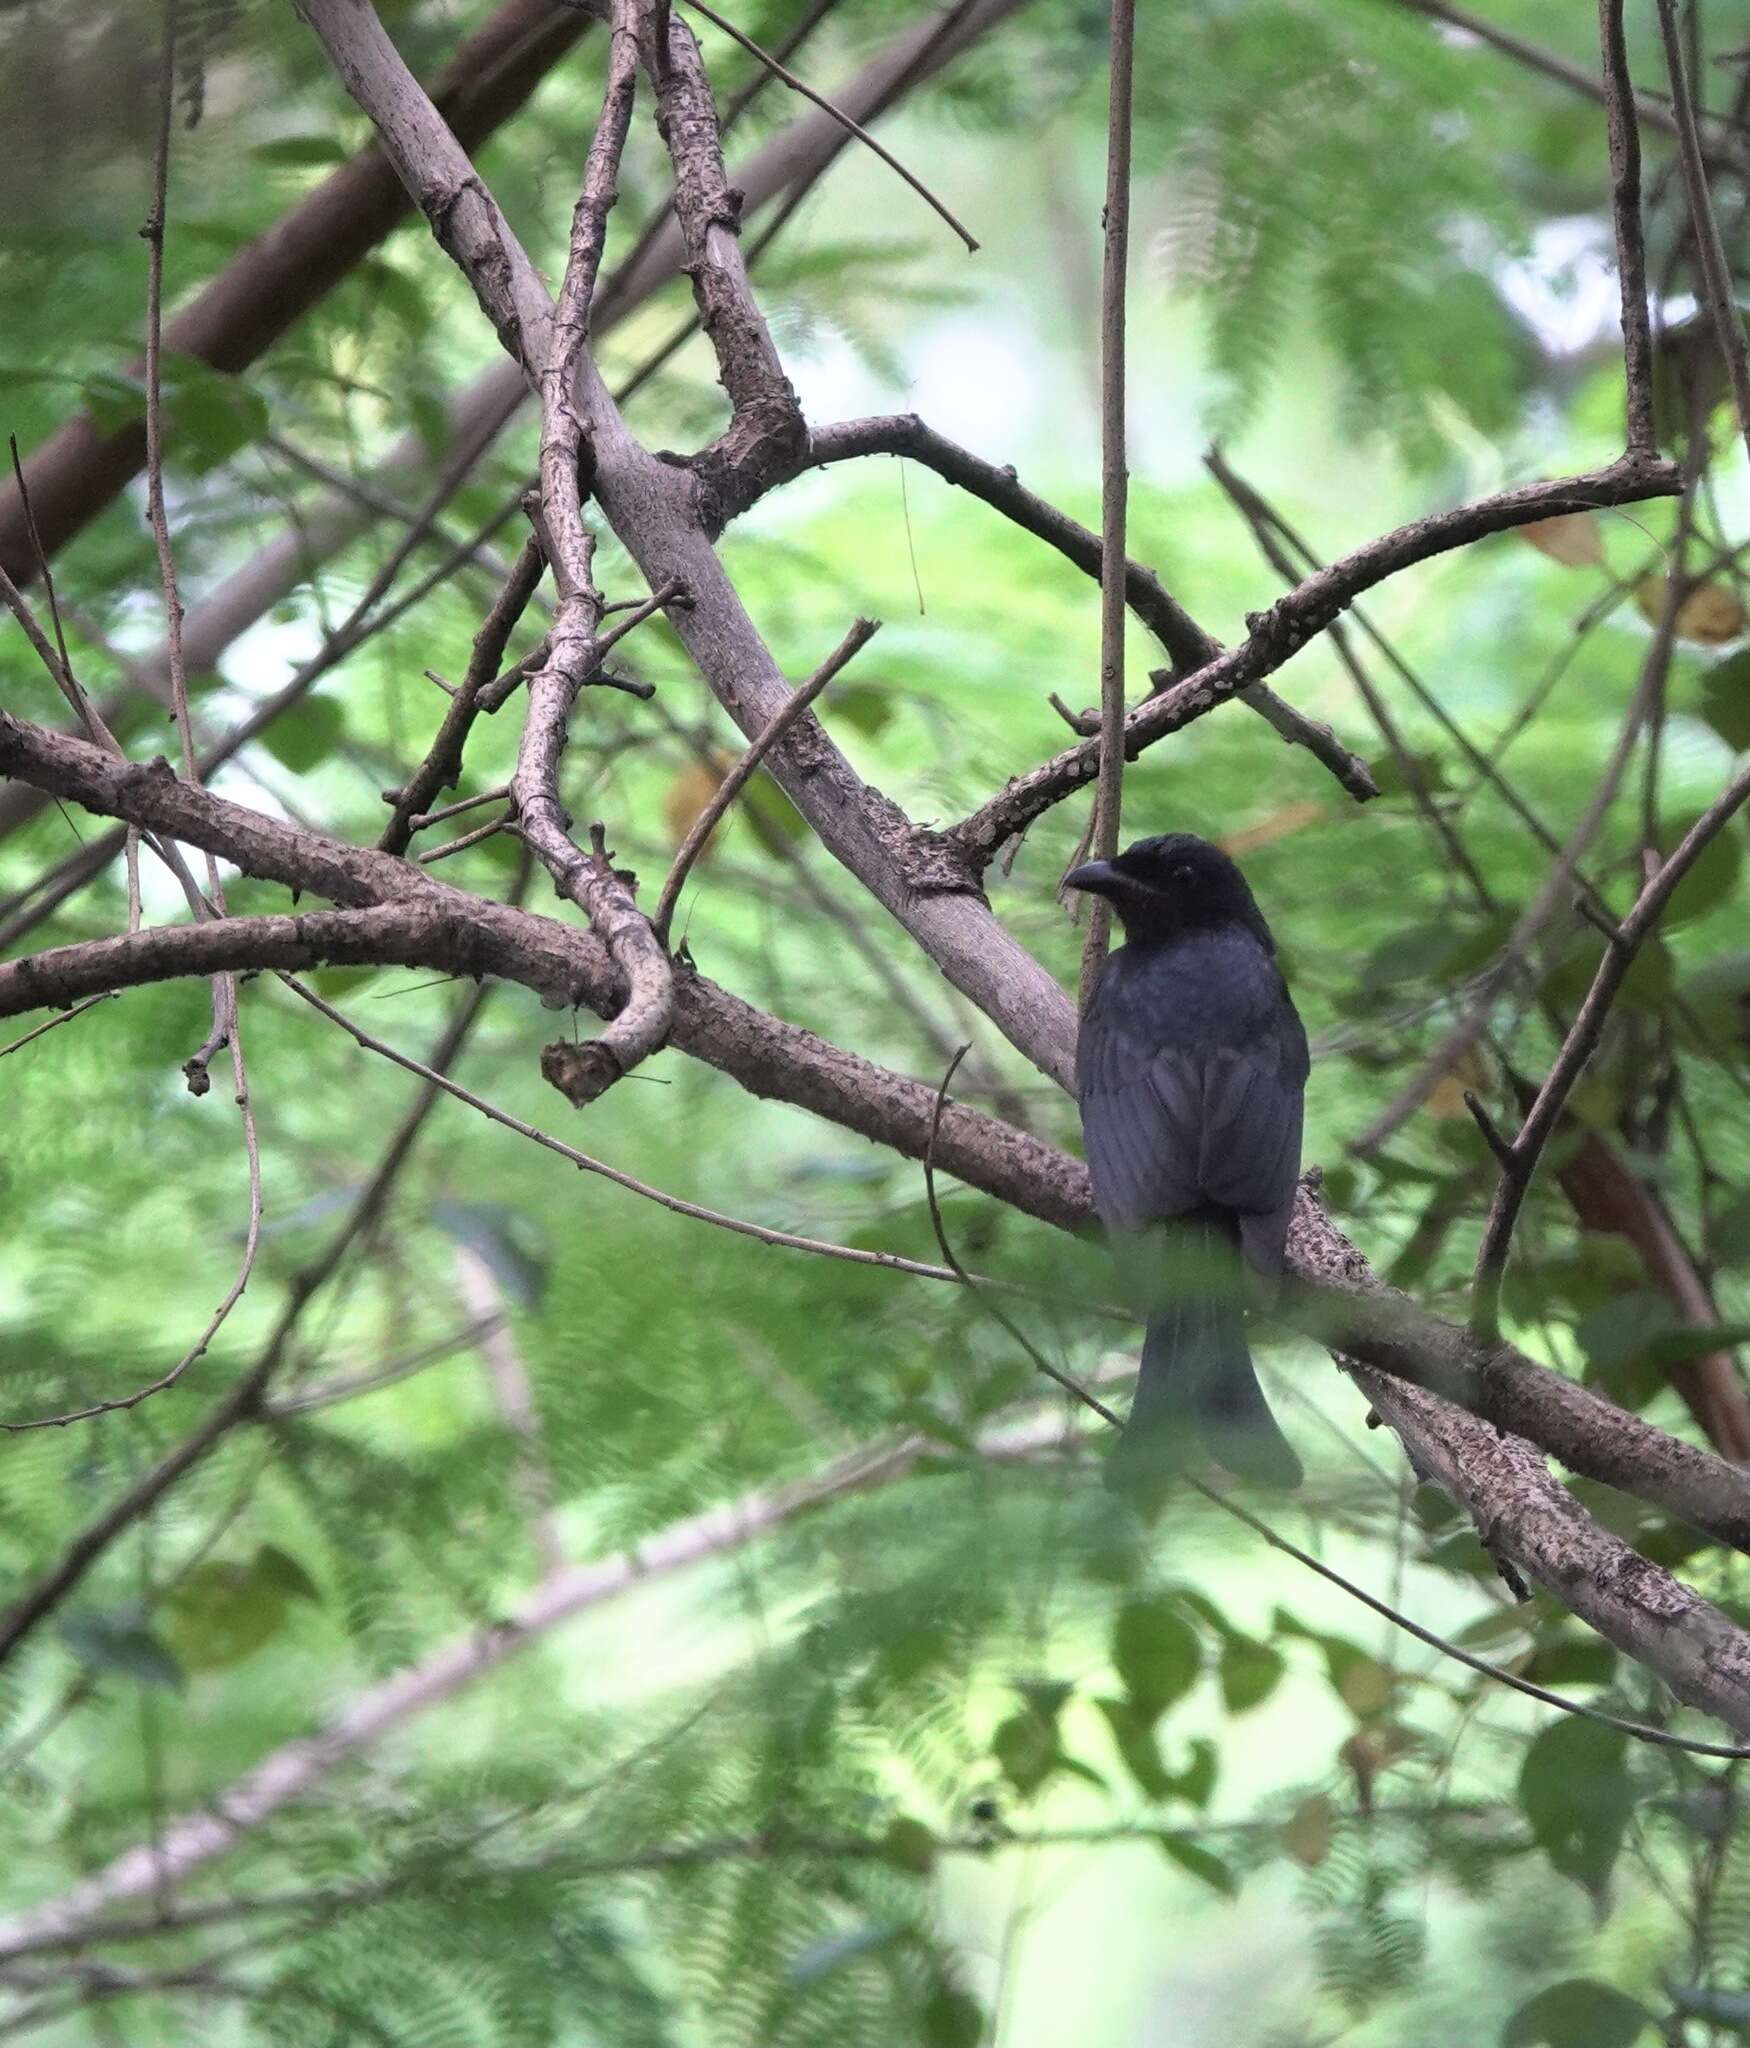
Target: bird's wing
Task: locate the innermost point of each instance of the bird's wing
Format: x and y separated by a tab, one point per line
1171	1129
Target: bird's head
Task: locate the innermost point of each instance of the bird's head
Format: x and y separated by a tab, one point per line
1161	888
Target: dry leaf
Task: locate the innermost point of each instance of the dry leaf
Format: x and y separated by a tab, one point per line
688	794
1711	614
1278	825
1571	538
1446	1097
1366	1688
1306	1834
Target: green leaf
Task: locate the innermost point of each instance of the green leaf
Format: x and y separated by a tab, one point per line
120	1642
909	1845
1644	987
1156	1653
1196	1781
1202	1863
775	819
1579	2013
1390	780
1250	1672
278	1568
1573	1662
952	2020
431	421
1729	1240
223	1612
1725	699
209	416
303	738
1632	1343
114	401
338	982
1419	954
866	706
1575	1790
1712	877
1026	1748
1134	1739
298	151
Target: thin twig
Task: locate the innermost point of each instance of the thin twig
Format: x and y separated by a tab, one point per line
1581	1042
443	763
1716	269
1631	247
461	805
1278	634
889	1261
1114	477
492	827
861	633
226	1030
836	113
1555	894
54	1023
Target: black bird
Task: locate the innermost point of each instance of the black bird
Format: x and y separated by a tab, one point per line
1191	1067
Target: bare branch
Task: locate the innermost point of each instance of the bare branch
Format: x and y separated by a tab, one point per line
443	764
726	792
837	113
766	434
1702	1656
1114	478
1279	633
1582	1041
1716	269
1631	247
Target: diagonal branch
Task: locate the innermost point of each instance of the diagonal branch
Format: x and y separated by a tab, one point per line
726	792
1342	1305
442	766
844	120
1520	1166
766	434
1278	634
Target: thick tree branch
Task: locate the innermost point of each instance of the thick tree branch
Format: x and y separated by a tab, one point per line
280	275
766	434
1344	1307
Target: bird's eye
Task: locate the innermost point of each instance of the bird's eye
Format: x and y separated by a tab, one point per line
1182	871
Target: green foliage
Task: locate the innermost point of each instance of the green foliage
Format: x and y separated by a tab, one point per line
848	1772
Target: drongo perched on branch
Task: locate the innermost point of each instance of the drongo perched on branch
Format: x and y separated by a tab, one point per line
1191	1067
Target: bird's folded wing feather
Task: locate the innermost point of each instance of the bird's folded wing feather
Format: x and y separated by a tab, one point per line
1169	1130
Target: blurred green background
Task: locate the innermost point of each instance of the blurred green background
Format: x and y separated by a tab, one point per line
777	1793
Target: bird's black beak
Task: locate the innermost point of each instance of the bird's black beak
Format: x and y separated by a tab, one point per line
1096	877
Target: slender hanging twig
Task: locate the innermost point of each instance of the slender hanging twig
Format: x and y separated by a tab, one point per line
1114	478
